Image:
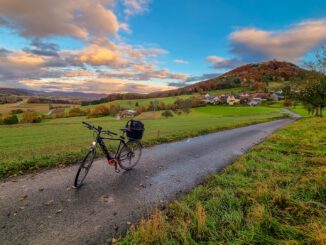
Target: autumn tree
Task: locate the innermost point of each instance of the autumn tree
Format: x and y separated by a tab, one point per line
31	117
313	95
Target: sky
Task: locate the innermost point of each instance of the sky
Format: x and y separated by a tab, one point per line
119	46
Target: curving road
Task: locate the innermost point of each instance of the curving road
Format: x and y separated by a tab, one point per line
42	208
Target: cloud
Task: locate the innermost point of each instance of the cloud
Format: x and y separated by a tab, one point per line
92	85
146	75
290	44
43	18
249	45
202	77
35	68
223	63
133	7
104	61
192	79
179	61
96	56
39	47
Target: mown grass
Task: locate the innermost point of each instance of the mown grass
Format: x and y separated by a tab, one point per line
25	147
274	194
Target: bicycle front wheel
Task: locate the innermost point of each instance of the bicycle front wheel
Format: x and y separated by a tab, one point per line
130	154
84	167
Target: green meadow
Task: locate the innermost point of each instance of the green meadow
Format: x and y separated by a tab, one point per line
55	142
274	194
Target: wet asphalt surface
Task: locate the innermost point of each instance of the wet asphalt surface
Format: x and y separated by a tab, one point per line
42	208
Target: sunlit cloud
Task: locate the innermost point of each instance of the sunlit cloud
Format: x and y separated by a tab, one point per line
254	45
93	85
106	62
44	18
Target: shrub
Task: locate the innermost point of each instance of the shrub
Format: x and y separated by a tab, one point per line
17	111
99	111
31	117
287	103
114	109
76	112
167	114
12	119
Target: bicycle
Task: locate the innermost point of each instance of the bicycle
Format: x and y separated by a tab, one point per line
127	154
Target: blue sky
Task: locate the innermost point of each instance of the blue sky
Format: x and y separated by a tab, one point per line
148	45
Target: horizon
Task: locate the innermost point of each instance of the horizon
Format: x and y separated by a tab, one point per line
148	45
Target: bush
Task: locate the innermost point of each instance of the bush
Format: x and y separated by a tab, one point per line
99	111
17	111
167	114
31	117
13	119
76	112
287	103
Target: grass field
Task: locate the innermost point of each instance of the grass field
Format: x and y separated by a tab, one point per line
131	104
62	141
7	108
274	194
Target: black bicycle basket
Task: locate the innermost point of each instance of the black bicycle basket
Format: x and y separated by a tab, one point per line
135	129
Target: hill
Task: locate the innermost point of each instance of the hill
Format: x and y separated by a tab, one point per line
250	77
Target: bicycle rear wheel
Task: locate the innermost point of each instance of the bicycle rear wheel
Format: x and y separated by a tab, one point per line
84	167
130	154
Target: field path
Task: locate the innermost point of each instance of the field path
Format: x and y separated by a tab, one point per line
42	208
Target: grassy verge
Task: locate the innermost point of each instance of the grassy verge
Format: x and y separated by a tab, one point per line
274	194
62	141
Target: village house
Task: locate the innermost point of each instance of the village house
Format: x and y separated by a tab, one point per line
233	99
254	101
277	96
127	114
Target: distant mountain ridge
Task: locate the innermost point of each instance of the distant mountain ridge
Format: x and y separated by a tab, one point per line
26	92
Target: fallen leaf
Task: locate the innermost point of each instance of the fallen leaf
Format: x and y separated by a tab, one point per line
49	202
128	222
22	197
59	211
21	208
41	189
114	241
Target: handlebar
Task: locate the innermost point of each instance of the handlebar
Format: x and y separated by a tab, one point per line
98	129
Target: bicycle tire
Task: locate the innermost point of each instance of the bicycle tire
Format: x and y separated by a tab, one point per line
130	154
83	169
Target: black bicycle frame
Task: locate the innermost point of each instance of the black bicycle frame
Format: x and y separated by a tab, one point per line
105	150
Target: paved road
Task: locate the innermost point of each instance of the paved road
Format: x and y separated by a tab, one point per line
43	209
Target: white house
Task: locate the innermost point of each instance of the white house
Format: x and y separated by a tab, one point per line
254	101
232	100
128	113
